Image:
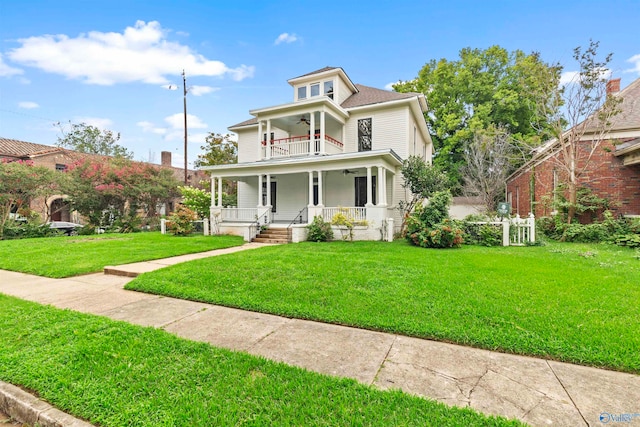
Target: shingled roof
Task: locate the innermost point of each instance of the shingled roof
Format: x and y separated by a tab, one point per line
367	95
629	116
321	70
23	150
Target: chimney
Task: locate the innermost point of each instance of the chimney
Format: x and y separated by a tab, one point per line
166	158
613	86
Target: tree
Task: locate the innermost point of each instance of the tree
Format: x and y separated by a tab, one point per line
218	150
19	183
89	139
581	115
489	158
483	87
422	180
116	191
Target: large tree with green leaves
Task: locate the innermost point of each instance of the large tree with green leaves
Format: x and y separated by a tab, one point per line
218	150
85	138
19	183
481	88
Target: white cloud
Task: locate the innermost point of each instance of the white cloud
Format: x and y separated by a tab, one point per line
571	77
141	53
176	121
202	90
285	38
635	60
149	127
6	70
98	122
28	105
389	86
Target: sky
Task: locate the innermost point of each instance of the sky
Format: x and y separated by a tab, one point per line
112	64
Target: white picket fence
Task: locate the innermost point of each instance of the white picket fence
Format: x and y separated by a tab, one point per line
516	231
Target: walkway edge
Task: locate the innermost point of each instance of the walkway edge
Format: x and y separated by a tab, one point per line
28	409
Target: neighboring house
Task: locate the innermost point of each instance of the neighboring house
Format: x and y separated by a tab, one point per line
338	145
56	207
613	172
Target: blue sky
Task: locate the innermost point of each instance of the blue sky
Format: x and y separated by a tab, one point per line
108	63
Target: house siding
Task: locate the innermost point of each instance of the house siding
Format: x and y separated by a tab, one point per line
388	129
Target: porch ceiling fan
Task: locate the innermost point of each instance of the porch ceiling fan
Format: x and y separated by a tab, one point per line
347	172
304	120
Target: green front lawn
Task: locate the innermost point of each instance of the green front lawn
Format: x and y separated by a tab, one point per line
73	255
116	374
570	302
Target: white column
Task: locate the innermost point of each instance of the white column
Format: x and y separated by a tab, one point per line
312	130
220	191
381	201
384	185
369	188
260	191
320	203
268	140
322	133
310	189
268	190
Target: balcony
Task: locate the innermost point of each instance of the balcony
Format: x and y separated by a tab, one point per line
303	145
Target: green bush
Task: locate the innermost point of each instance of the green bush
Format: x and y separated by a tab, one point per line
481	234
629	240
319	230
180	223
430	227
27	230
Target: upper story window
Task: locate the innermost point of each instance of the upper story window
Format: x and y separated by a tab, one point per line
364	134
328	89
302	92
315	89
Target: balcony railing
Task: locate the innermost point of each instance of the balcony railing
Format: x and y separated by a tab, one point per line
300	146
355	214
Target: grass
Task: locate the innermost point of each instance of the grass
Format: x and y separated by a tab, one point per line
73	255
116	374
569	302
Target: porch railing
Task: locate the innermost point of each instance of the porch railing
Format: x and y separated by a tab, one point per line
244	214
356	213
300	146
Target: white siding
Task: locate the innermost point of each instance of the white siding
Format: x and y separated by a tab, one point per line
342	91
247	143
388	129
292	194
248	193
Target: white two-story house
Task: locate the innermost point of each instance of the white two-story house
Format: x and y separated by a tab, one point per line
338	147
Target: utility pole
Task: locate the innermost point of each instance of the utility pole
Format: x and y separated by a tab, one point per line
184	87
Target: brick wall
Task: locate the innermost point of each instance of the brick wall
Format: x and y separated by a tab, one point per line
606	176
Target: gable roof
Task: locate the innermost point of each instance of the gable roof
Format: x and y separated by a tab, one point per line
629	116
367	95
321	70
22	149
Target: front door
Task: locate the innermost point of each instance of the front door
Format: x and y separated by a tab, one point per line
273	195
360	186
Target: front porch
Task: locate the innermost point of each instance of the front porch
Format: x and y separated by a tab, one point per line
290	193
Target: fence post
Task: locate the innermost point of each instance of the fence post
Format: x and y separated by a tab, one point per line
163	226
505	232
532	227
389	229
205	227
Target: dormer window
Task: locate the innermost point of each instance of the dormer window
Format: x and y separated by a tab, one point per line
328	89
315	89
302	92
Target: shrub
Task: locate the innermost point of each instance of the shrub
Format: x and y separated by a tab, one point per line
430	227
481	234
180	223
319	230
346	222
27	230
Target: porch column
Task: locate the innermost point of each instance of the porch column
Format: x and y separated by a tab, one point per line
220	191
381	190
260	191
260	139
268	190
369	188
268	140
312	131
322	133
384	185
310	189
320	203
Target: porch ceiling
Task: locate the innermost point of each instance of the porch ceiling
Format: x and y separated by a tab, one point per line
387	159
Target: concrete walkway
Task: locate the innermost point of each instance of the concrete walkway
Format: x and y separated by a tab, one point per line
538	392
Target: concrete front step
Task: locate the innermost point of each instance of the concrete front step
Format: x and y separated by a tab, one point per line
273	235
269	240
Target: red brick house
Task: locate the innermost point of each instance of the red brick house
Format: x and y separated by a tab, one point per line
56	208
612	173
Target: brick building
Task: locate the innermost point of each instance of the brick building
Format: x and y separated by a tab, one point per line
612	173
56	208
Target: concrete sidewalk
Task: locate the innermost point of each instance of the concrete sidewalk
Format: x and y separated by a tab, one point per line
538	392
